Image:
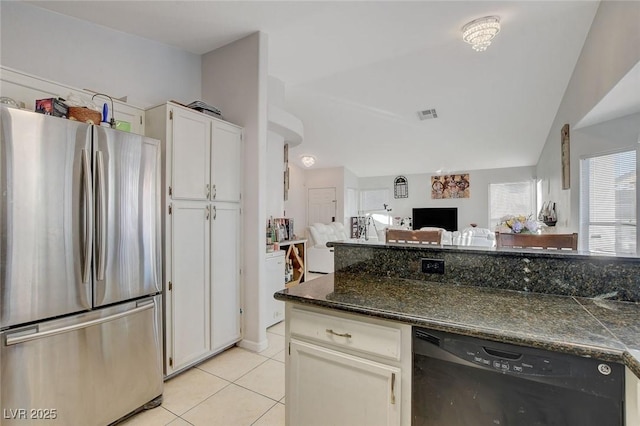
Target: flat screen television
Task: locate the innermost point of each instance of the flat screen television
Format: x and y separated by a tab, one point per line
436	217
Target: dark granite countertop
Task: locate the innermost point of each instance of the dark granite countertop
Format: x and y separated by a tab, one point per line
589	327
504	251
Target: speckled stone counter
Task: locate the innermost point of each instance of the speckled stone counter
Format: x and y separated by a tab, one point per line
541	271
602	329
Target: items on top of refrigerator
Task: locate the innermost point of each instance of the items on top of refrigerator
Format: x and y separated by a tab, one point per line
52	106
205	108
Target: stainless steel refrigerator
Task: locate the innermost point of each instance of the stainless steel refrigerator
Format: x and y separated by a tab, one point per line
80	286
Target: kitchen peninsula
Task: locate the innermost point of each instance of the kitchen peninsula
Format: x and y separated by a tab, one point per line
359	320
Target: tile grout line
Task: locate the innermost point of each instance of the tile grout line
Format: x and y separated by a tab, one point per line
263	414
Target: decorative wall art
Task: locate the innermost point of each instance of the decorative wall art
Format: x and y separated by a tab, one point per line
566	157
286	184
450	186
286	171
400	187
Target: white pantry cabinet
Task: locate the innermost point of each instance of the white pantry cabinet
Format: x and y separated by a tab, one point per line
225	269
201	232
188	291
346	370
226	157
190	154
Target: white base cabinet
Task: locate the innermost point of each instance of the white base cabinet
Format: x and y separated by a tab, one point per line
345	369
335	388
201	181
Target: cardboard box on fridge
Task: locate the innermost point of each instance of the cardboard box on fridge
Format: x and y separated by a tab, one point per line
52	106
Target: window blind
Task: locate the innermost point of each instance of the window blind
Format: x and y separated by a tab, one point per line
512	198
608	217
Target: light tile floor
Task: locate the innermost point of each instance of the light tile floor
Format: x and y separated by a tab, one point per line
236	387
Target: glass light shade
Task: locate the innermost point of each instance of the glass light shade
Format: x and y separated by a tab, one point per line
479	32
308	160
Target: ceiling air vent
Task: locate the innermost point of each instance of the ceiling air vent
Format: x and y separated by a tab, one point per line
427	114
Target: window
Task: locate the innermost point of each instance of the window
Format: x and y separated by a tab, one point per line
374	206
514	198
608	216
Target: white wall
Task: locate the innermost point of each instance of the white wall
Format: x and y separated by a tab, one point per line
275	175
470	210
610	51
88	56
350	180
234	77
296	206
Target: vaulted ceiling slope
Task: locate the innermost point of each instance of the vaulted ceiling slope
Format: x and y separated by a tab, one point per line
356	73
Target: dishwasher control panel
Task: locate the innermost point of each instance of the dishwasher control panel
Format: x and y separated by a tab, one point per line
496	358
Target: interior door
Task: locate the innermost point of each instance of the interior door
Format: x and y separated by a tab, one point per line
322	205
127	243
45	211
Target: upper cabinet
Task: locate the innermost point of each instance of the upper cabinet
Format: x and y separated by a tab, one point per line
204	154
226	157
190	151
26	88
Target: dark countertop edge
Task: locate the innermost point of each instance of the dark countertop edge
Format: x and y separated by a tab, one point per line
553	254
602	353
632	361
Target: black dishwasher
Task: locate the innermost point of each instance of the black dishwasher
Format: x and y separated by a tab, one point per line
466	381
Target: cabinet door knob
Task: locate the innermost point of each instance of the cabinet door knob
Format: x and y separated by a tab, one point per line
347	335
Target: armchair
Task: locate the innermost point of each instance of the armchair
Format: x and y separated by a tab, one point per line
319	256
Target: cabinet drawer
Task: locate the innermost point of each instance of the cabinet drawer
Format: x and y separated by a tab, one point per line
344	333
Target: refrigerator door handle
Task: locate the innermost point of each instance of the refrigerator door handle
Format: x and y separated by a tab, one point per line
101	217
21	337
88	219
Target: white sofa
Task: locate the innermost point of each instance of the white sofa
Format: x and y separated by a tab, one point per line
481	237
319	256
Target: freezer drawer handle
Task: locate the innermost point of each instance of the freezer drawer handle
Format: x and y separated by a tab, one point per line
22	338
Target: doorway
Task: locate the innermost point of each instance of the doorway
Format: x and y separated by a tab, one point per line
322	205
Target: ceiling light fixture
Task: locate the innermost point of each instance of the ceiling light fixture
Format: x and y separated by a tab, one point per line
308	160
479	32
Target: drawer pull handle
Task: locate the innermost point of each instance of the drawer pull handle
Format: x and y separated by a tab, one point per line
393	388
347	335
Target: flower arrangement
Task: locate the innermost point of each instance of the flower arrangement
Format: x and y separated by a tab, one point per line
518	224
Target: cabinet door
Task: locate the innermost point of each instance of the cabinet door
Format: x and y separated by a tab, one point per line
189	295
225	274
191	152
327	387
226	162
131	115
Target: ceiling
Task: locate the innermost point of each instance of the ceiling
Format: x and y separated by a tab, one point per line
356	73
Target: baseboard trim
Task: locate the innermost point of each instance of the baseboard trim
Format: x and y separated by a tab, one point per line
254	346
